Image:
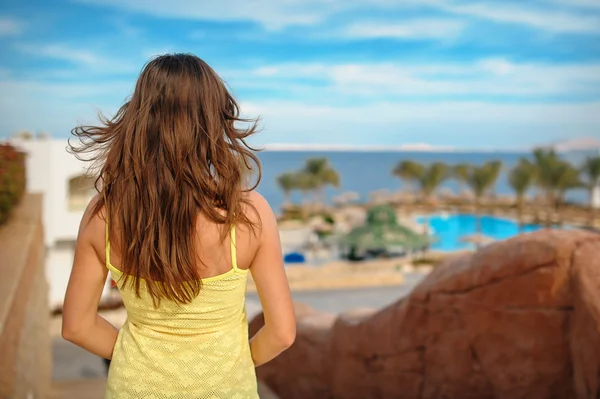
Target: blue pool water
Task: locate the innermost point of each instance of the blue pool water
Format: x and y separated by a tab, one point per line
449	229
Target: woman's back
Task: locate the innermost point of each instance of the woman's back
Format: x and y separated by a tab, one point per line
200	347
177	227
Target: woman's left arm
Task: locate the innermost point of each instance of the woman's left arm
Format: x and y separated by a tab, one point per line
81	323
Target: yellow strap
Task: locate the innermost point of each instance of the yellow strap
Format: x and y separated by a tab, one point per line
233	249
107	242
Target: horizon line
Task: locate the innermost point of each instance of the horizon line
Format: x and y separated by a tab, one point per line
420	147
590	144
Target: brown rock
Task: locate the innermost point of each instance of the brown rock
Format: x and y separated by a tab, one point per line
518	319
308	364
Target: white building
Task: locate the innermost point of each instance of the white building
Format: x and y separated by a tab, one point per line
60	177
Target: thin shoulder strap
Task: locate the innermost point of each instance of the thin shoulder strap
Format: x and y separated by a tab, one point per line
233	248
107	243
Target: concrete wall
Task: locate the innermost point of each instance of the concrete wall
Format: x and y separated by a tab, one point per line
25	360
596	197
49	168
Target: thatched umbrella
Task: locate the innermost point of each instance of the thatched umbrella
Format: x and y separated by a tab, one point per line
382	232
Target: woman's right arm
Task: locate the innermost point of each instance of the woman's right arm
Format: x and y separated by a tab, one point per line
268	273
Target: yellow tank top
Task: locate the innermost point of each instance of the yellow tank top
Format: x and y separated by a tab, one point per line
197	350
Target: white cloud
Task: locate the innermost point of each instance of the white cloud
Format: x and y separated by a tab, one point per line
578	3
59	107
498	66
55	108
495	76
552	21
275	14
271	13
60	52
473	124
10	26
83	58
407	29
126	28
64	91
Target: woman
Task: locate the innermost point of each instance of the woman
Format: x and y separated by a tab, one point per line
176	229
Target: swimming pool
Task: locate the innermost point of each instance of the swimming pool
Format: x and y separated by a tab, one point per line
449	229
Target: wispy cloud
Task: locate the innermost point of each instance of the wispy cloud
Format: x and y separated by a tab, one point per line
492	76
548	20
578	3
10	26
88	91
450	72
60	52
90	61
275	14
126	28
272	14
406	29
444	123
56	107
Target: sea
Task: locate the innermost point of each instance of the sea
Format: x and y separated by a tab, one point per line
367	171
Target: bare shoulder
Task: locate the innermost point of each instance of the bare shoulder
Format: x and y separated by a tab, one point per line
259	211
260	205
93	225
91	219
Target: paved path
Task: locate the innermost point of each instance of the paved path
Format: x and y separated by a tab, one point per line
337	301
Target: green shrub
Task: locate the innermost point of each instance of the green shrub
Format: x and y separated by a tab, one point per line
328	218
12	179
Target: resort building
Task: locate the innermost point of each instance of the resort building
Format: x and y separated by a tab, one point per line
66	190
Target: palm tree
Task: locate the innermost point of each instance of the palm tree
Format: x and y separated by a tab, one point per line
322	175
495	169
591	171
409	171
481	180
521	179
460	172
568	180
329	177
549	167
306	183
430	178
555	177
287	182
426	178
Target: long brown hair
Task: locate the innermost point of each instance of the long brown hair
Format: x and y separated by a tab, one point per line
172	151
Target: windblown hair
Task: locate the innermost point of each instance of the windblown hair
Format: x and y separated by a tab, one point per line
171	152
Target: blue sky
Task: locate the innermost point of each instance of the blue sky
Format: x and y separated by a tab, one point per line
484	74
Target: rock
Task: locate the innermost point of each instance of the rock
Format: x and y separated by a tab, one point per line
308	364
517	319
